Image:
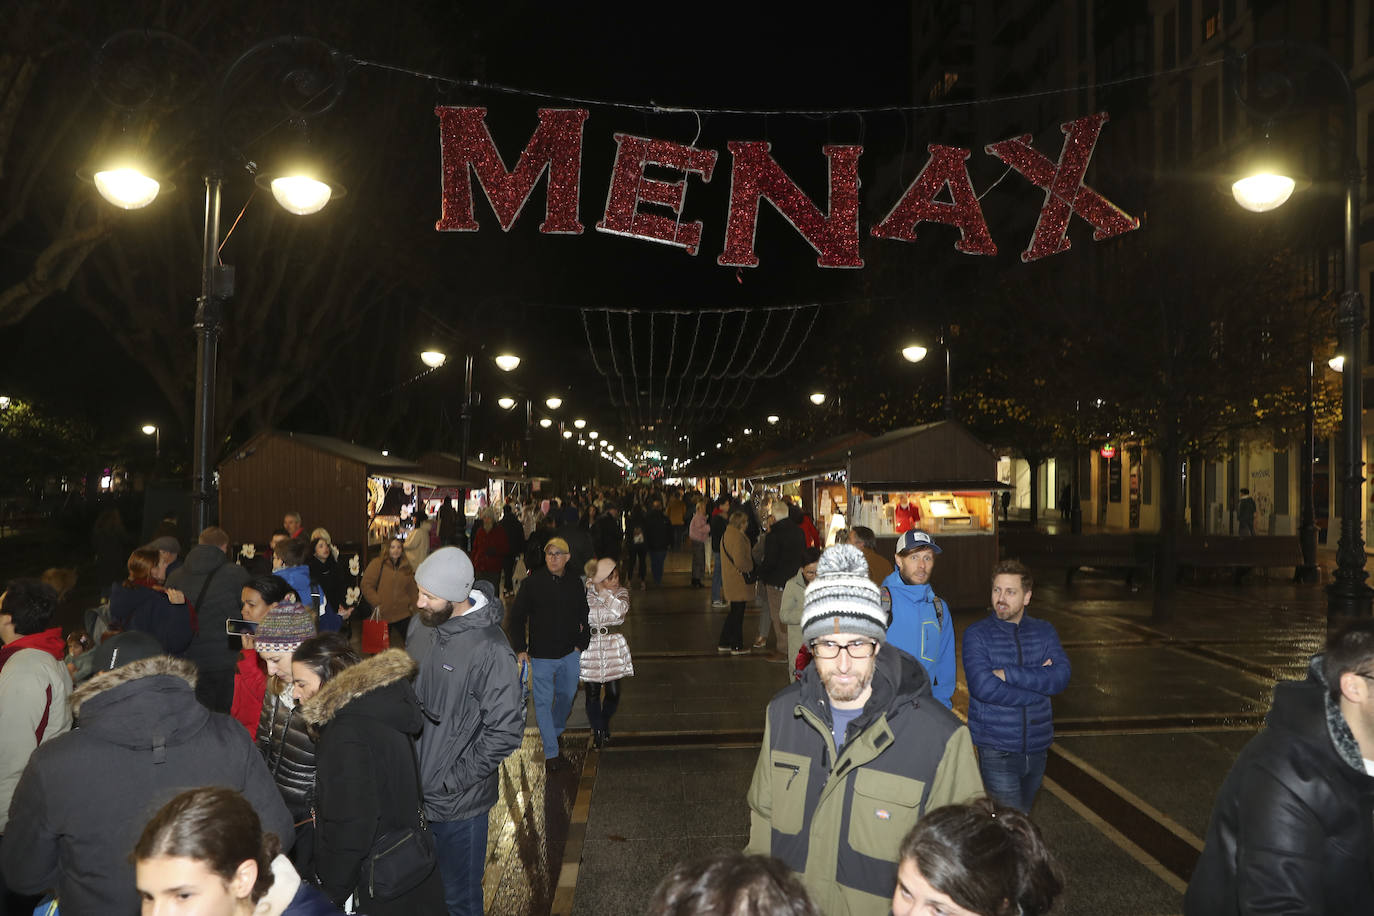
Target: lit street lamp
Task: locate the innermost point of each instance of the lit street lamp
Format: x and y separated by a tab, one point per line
817	398
150	429
1348	596
312	81
914	353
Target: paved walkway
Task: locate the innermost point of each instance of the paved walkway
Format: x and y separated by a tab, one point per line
1147	729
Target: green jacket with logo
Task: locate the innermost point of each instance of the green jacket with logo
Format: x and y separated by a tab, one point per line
838	816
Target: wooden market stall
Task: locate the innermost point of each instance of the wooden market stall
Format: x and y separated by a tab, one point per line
813	474
938	477
360	495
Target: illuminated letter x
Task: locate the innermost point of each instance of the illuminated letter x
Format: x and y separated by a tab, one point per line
1065	192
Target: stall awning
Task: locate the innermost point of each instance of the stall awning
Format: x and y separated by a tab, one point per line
432	481
813	459
935	456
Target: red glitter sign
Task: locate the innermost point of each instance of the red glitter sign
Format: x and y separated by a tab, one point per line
555	147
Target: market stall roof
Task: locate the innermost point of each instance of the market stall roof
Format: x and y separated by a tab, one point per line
936	456
447	462
811	459
374	461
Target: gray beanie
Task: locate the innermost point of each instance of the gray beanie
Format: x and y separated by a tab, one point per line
842	599
446	573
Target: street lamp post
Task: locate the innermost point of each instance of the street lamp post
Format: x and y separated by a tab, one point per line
1348	596
315	89
914	353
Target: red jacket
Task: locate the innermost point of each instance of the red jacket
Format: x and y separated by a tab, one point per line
250	686
489	549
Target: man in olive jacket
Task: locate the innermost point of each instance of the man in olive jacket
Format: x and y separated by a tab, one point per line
854	753
469	687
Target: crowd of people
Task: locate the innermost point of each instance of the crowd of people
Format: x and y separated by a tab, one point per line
250	749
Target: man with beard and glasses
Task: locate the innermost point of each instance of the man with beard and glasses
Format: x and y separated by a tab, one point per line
1013	663
855	752
469	687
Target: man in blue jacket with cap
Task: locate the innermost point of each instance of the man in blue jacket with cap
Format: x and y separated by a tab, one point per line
921	623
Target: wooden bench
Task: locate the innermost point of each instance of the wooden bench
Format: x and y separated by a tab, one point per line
1240	554
1126	554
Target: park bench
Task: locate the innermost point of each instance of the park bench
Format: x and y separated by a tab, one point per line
1124	554
1239	554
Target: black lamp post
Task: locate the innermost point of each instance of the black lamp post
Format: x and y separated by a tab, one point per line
1348	596
311	80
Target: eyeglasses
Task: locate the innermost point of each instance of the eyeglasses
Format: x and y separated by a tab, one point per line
859	648
555	553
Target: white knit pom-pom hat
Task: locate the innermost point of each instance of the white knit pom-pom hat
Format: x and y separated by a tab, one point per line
842	599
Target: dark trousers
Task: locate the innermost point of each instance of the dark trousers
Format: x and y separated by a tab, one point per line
638	558
508	571
732	631
599	710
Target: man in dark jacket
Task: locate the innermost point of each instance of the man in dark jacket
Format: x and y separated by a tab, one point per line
548	630
1014	664
607	534
854	753
658	536
1290	832
469	686
208	572
147	739
515	546
782	557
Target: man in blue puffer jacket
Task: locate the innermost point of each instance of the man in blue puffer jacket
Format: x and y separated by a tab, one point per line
921	625
1013	664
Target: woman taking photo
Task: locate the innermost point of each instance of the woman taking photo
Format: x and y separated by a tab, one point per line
979	859
366	775
607	657
389	587
205	852
736	560
256	600
141	603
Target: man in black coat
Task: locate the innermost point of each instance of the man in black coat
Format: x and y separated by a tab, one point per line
782	557
658	537
1290	832
213	584
548	631
608	534
515	541
720	520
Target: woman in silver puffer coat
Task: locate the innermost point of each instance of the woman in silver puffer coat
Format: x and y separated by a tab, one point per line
607	657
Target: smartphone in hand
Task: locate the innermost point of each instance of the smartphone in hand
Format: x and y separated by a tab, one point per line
236	626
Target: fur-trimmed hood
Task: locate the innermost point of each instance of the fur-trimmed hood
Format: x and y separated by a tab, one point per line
147	667
368	676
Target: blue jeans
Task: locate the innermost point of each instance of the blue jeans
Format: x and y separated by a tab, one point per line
554	684
1010	778
656	558
717	595
462	850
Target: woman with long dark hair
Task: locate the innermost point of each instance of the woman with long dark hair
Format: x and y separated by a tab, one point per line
205	852
256	600
979	859
366	776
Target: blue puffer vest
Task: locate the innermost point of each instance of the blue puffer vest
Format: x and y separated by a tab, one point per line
1013	715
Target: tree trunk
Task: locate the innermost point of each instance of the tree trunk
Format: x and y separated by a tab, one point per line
1034	465
1170	520
1196	468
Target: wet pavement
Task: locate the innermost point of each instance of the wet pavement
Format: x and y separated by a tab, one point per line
1146	731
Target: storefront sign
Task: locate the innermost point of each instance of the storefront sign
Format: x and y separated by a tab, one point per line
555	147
1107	451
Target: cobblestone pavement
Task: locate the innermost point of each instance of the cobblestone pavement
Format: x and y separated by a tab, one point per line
1152	719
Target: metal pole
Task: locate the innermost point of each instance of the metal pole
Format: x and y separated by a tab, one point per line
466	415
1349	596
1307	525
207	325
949	383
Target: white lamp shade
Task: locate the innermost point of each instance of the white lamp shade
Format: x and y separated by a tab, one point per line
149	429
567	434
580	423
773	418
554	403
505	403
433	358
546	422
1263	192
913	354
1337	363
817	398
126	188
507	362
301	195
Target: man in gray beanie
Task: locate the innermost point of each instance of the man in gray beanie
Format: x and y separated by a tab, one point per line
855	752
469	686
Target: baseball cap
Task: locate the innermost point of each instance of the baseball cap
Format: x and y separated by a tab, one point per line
916	539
